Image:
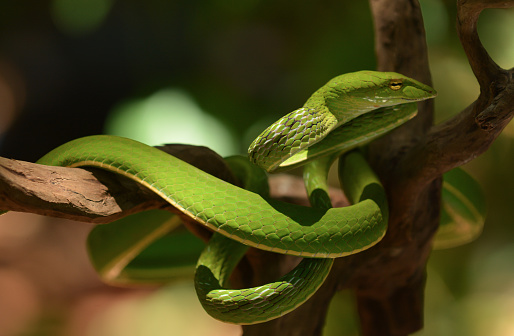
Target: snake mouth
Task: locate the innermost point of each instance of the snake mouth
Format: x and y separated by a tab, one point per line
411	100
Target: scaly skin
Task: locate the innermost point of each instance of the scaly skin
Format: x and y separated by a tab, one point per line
257	304
348	111
224	208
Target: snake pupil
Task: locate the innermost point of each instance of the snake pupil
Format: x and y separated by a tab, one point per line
395	84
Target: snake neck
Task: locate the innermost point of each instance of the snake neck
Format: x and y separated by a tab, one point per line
290	134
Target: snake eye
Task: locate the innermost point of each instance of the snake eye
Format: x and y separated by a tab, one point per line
395	84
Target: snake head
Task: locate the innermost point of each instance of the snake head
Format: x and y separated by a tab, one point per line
344	100
365	90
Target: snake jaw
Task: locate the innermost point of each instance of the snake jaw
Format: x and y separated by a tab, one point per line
413	93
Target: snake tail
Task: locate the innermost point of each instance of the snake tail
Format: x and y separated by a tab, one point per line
258	304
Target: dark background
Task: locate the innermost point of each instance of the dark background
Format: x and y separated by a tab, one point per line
214	73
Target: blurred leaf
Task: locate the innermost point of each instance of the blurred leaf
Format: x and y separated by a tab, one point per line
170	116
138	249
77	17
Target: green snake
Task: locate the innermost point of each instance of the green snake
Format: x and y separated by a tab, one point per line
348	112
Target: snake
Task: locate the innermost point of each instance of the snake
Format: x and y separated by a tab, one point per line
346	113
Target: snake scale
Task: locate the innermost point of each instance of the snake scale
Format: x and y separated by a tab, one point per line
348	112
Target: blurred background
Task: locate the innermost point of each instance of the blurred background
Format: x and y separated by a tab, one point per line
215	73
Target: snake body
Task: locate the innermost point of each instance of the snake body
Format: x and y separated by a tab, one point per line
224	208
347	112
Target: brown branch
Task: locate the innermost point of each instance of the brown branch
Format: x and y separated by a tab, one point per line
389	278
471	132
92	196
463	137
468	11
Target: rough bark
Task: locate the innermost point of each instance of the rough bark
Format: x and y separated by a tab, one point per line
91	196
388	279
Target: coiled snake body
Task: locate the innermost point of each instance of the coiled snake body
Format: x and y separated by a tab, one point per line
349	111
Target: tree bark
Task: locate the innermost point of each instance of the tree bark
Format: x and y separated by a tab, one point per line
387	279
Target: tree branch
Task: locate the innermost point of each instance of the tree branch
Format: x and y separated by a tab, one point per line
468	11
92	196
471	132
389	278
